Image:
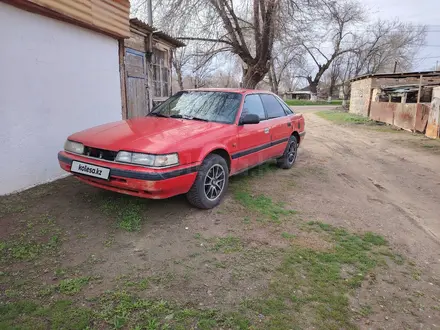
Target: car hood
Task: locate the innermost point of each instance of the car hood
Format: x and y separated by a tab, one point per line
147	134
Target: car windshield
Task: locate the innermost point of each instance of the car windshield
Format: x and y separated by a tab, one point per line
218	107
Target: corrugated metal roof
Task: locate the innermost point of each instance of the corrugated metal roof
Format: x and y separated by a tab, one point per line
398	75
159	34
175	42
142	25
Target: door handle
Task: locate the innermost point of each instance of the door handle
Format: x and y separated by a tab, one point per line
266	130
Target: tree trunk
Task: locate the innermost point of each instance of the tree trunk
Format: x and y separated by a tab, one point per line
276	88
253	75
346	96
180	78
331	89
274	82
314	91
178	69
271	81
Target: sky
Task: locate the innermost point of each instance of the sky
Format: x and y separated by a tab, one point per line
420	12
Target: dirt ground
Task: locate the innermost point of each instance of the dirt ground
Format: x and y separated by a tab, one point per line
263	259
378	182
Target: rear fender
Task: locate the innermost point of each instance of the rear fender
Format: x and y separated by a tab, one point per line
298	123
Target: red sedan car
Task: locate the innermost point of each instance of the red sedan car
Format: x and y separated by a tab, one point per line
190	144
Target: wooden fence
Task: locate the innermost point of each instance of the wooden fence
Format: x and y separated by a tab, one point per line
409	116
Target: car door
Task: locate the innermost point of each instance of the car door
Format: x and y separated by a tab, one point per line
253	139
280	124
294	118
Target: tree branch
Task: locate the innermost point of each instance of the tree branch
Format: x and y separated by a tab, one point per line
207	40
320	52
237	26
311	54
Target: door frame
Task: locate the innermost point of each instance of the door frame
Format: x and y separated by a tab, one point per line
145	76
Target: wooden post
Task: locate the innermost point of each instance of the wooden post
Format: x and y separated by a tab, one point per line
403	100
170	77
123	75
149	66
420	89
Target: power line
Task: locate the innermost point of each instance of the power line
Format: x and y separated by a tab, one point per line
426	58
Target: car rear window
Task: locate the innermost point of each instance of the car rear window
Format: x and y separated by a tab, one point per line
286	108
272	106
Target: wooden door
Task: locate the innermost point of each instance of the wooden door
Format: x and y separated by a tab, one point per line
136	83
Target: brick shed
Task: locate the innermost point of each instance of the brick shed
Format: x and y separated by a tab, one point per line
365	89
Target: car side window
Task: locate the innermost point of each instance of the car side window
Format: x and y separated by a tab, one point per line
286	108
272	106
253	105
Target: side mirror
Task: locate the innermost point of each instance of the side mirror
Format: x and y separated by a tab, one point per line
249	118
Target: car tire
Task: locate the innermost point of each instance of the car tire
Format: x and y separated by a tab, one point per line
211	183
289	156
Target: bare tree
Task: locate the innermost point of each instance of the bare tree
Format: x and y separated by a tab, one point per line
333	30
181	58
246	28
347	66
325	30
286	56
335	75
228	73
378	46
201	70
385	42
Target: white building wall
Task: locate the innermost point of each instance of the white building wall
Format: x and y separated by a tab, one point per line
436	92
55	79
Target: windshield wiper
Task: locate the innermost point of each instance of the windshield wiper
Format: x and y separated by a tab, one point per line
197	118
157	114
188	117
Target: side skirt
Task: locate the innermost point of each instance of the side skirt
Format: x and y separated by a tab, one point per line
256	165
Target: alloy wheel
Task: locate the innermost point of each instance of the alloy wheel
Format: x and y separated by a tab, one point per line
214	182
291	153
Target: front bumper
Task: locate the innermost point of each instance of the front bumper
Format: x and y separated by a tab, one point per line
136	180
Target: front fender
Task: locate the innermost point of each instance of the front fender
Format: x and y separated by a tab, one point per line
209	148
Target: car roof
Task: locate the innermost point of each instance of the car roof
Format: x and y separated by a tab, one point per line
230	90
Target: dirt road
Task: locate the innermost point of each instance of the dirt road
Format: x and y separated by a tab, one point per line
374	184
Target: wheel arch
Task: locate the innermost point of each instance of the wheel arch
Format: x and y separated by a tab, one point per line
297	136
222	152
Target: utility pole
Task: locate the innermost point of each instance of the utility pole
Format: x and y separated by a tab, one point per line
395	66
149	49
150	12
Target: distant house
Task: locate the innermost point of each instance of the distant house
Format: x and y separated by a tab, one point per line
306	94
301	94
68	65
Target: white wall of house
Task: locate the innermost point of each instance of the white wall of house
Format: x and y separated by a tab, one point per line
55	79
436	92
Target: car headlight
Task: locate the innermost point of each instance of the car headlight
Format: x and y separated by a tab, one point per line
75	147
147	159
